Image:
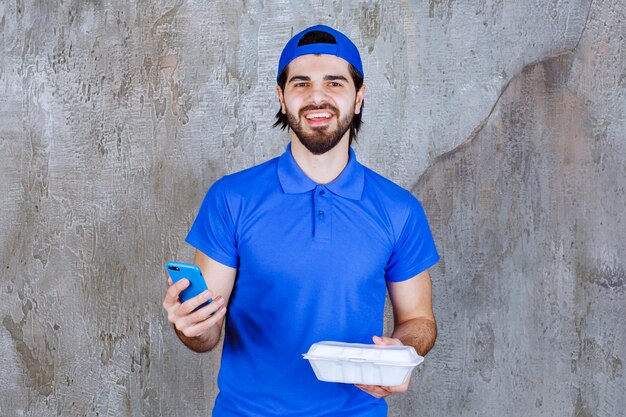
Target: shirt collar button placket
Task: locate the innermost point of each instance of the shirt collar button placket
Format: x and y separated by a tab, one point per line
321	207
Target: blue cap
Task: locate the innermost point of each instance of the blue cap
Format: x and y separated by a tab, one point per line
344	48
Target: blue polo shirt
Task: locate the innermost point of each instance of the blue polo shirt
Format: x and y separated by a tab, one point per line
313	262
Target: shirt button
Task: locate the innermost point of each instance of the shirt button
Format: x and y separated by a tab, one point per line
322	192
321	213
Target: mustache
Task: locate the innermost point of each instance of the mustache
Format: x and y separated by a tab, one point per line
311	107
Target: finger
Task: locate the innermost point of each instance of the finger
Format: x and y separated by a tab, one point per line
374	390
175	289
178	287
190	305
169	281
185	321
171	295
399	388
204	325
378	341
386	341
208	310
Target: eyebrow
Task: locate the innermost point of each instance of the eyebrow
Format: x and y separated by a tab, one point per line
326	78
335	78
299	78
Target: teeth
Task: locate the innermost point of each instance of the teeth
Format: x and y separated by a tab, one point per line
318	116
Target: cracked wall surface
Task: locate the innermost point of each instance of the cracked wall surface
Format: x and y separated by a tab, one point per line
507	119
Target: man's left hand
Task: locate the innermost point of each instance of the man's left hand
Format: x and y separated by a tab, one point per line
380	391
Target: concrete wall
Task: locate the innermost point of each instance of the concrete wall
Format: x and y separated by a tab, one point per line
506	118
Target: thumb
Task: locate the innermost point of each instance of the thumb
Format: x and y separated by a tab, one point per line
380	341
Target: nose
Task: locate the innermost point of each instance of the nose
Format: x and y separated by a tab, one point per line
318	94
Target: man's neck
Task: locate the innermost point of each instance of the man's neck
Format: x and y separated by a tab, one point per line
323	168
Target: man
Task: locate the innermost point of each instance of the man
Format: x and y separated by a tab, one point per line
302	249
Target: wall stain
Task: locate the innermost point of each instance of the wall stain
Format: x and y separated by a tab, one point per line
40	370
504	195
437	6
108	343
181	102
610	277
580	407
166	18
369	23
166	65
562	60
483	342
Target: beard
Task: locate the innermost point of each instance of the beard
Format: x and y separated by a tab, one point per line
321	139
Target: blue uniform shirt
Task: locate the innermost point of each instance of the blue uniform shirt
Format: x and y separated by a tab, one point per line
313	262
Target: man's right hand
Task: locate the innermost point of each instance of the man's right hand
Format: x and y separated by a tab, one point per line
197	329
200	330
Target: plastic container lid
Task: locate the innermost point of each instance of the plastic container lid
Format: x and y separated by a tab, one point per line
358	363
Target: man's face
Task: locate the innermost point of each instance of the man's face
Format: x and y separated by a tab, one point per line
320	101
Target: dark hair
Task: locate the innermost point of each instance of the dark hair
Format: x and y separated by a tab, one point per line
313	37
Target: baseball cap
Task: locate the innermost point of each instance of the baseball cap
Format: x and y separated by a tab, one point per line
343	48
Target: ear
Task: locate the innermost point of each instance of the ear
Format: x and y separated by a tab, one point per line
358	102
281	99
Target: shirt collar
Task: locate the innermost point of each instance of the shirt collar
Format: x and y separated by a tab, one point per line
293	180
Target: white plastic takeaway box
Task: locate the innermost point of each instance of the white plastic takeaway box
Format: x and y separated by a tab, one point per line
356	363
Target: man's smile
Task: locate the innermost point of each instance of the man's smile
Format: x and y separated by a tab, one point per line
318	117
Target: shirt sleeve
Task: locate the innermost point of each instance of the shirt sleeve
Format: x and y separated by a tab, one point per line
415	249
213	232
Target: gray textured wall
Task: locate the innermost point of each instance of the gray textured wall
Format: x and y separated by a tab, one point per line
506	118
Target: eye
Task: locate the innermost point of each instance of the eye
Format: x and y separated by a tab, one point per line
334	84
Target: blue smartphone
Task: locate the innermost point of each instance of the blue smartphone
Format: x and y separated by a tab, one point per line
197	284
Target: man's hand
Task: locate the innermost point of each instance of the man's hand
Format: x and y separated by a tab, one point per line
379	391
189	323
200	330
